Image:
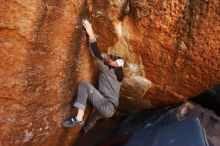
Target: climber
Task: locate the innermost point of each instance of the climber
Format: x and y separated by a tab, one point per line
105	99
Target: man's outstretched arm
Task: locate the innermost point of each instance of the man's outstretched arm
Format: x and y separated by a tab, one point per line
94	46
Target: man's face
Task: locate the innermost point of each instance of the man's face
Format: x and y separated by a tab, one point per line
112	62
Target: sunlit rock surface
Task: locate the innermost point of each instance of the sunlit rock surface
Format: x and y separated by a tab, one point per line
171	49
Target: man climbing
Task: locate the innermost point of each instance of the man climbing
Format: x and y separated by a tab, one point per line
105	98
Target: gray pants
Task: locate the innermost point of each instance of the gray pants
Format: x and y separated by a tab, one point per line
99	102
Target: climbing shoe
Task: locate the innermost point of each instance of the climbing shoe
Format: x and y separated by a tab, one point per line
92	121
88	126
72	122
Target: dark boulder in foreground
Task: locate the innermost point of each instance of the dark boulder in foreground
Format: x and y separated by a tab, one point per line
146	126
210	99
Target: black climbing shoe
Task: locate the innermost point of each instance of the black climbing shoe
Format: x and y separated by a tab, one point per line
72	122
92	121
88	126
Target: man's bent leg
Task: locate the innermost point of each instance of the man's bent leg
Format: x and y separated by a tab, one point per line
100	103
80	103
85	90
82	95
103	108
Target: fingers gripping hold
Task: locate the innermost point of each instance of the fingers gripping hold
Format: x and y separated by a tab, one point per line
88	27
86	23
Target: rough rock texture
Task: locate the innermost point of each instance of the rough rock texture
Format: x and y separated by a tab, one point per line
171	49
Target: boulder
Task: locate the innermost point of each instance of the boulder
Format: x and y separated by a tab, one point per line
171	49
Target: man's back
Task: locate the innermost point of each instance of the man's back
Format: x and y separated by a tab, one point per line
109	86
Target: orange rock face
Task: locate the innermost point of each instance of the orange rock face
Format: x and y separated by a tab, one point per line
171	49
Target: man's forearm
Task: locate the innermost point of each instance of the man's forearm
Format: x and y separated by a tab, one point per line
92	36
92	40
94	48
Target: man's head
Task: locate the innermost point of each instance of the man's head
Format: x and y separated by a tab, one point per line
115	61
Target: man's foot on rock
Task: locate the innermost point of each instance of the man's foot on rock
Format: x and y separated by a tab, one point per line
72	122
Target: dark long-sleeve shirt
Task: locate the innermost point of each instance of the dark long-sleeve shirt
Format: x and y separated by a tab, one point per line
109	86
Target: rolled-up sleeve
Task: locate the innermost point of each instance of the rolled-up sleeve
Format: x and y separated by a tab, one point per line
94	49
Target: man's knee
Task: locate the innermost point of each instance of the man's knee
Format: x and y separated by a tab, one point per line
83	83
108	114
87	86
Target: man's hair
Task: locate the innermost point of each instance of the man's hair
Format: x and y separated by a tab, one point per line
119	73
113	57
118	70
